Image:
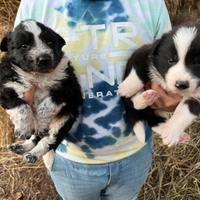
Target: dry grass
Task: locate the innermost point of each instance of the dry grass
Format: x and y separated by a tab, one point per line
20	181
8	10
175	173
182	11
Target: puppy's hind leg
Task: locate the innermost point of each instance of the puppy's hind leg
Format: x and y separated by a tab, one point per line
135	119
139	131
40	149
49	142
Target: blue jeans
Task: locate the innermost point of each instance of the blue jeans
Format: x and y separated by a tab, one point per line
118	180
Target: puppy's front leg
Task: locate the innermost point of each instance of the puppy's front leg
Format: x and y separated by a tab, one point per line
131	85
20	113
185	113
22	118
144	99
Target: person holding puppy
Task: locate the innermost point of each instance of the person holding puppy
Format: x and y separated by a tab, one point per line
102	157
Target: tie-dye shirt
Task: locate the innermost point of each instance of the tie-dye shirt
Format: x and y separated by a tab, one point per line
100	36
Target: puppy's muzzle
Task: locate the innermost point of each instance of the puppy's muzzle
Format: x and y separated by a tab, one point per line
44	62
182	85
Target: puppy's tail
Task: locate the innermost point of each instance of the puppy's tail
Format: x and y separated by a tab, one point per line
139	131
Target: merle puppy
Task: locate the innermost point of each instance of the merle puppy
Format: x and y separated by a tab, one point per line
34	56
174	62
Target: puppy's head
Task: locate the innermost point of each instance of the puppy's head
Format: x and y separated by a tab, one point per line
33	47
176	56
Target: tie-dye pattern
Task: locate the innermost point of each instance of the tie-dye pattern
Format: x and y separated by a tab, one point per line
93	12
100	36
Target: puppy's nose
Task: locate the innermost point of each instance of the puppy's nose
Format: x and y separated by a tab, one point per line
182	85
44	60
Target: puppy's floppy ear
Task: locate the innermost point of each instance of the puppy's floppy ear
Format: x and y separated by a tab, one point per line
61	41
155	46
4	42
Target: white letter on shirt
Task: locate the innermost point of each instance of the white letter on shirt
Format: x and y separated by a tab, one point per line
93	29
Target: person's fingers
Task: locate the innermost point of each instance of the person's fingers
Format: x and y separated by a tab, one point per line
163	93
167	101
28	96
159	89
157	104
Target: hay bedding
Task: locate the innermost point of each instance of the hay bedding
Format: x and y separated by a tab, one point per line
175	172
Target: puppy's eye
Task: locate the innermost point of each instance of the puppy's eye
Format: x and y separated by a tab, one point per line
172	61
24	46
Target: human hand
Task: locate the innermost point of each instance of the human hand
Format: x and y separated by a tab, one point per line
28	95
167	101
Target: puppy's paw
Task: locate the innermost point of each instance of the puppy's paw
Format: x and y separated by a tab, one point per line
150	96
30	158
16	148
170	138
126	90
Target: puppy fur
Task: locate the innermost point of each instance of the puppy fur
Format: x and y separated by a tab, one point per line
173	62
34	56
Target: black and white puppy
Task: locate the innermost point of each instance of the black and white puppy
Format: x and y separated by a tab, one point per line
34	56
174	62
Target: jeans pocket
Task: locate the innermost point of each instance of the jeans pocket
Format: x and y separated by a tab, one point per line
86	170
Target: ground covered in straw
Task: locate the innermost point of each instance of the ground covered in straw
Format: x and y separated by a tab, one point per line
175	172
